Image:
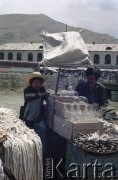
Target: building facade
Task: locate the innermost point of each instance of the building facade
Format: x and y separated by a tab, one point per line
27	54
104	55
20	56
32	52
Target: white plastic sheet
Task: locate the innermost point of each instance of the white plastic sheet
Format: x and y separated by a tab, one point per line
65	49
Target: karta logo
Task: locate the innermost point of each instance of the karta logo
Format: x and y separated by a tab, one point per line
56	168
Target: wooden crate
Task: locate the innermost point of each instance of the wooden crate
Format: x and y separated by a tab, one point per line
70	130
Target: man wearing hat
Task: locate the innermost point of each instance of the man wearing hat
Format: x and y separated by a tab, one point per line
34	95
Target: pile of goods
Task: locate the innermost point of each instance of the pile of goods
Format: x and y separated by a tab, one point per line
3	135
70	115
22	147
79	112
100	143
2	175
74	119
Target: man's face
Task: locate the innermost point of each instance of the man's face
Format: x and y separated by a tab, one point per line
36	84
91	81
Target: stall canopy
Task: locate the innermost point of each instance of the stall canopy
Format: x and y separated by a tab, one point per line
65	49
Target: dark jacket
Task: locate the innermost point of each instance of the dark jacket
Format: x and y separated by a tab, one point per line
96	95
29	90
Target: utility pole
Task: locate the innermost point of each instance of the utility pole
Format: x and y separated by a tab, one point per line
66	28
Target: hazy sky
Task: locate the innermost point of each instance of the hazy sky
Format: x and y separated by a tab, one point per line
96	15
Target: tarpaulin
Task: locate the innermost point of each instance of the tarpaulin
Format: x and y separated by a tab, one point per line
65	49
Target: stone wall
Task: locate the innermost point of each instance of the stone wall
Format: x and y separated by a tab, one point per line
11	81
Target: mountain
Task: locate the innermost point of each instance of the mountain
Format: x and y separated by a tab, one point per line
24	28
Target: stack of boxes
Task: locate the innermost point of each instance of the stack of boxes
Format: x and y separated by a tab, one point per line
62	125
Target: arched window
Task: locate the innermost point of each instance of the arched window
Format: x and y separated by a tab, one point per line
1	56
117	60
40	47
30	57
10	56
108	48
108	59
39	57
96	59
19	56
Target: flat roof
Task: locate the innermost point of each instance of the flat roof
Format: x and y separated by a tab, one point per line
21	46
39	46
102	47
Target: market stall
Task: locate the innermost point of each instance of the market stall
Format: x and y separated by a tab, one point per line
90	140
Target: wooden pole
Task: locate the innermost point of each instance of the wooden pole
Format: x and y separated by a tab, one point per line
57	85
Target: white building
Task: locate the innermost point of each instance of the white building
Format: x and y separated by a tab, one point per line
102	55
32	52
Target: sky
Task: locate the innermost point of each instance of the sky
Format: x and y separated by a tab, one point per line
96	15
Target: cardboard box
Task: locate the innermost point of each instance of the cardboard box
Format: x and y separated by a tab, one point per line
63	127
86	128
70	130
65	99
59	107
50	108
